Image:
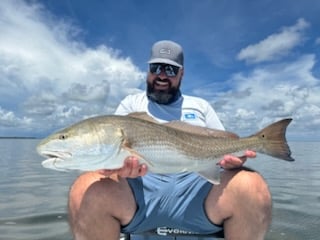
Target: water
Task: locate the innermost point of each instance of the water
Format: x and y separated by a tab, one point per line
33	200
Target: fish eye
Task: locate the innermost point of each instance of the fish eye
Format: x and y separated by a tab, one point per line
63	137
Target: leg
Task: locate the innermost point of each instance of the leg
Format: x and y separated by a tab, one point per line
98	206
242	203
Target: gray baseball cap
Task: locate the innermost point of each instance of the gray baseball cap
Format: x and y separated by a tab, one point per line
166	51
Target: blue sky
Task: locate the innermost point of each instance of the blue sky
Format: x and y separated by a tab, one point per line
254	61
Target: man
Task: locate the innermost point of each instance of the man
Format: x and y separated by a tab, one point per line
100	207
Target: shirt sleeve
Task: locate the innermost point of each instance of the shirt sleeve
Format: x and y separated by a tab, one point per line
132	103
212	119
124	107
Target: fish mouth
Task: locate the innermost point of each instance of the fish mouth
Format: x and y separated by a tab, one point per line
56	154
55	159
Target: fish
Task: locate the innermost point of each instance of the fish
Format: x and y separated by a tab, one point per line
103	142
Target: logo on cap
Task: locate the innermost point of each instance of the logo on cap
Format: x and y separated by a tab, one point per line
165	51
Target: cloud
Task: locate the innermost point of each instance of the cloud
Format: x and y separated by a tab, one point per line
49	77
8	119
270	92
276	45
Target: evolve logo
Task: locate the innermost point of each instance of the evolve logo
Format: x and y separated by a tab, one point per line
164	231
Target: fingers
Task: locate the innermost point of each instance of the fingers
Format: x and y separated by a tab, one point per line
250	154
232	162
131	169
143	170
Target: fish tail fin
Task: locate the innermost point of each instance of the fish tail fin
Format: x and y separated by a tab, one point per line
275	143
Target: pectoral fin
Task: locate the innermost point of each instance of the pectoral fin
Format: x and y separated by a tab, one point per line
134	153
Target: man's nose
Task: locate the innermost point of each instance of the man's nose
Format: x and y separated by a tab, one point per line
162	74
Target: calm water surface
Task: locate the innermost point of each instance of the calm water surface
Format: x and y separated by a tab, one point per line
33	200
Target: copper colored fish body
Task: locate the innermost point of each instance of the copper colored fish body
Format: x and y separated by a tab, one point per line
104	142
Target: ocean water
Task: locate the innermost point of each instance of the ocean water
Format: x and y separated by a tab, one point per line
33	200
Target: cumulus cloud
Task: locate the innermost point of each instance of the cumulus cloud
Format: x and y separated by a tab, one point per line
276	45
48	77
276	88
270	92
8	119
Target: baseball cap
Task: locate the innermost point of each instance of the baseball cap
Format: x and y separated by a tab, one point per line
168	52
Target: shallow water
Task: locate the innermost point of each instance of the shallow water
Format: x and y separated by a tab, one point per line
33	200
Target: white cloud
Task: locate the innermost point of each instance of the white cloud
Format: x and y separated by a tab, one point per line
50	77
275	45
8	119
268	93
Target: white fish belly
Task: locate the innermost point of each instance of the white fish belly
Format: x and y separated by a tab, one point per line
163	159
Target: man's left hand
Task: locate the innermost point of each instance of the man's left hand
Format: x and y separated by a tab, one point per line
232	162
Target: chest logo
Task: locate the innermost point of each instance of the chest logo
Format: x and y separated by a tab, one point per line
189	116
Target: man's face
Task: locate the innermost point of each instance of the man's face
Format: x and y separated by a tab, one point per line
163	82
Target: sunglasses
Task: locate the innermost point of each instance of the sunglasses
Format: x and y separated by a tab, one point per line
170	70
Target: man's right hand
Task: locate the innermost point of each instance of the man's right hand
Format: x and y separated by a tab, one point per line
131	169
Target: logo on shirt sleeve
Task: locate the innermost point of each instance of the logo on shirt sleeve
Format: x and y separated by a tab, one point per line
189	116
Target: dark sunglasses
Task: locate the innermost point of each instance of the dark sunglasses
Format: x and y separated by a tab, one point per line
170	70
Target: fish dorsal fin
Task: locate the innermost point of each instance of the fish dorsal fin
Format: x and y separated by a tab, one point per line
186	127
204	131
143	116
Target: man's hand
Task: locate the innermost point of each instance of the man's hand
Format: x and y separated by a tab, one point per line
232	162
131	169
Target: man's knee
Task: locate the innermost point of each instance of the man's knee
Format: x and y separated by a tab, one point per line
242	203
93	194
253	198
239	190
80	188
251	186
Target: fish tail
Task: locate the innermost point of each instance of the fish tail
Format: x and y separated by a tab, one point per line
274	140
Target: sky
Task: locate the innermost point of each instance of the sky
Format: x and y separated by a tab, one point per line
255	61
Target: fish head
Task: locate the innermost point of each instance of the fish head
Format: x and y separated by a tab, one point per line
83	146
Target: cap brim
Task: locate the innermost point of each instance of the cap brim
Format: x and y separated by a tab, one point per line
164	60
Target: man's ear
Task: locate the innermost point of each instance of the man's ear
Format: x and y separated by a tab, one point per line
182	72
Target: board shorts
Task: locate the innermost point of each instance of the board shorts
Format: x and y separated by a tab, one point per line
171	200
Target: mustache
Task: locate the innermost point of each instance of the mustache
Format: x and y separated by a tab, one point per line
164	80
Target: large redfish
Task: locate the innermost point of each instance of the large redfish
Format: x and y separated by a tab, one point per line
104	142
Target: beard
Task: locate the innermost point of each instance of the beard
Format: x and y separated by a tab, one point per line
163	96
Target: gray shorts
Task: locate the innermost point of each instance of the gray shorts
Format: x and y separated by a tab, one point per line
171	200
